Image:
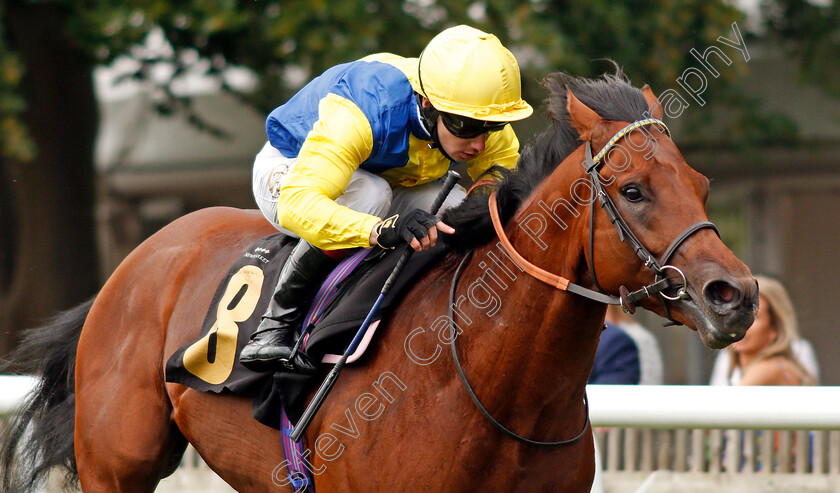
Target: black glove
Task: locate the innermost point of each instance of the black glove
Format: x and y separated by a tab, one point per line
399	229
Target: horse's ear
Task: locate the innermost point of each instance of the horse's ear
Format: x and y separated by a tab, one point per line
653	102
583	118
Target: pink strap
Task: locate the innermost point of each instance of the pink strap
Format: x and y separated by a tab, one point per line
360	350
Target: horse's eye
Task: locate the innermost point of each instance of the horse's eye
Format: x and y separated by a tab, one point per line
632	193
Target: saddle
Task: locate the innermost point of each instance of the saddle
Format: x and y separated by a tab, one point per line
210	363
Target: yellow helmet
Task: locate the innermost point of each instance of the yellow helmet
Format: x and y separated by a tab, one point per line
467	72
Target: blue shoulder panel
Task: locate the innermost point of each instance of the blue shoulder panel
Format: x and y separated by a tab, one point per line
380	90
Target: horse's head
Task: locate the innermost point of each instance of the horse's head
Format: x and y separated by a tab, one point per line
637	179
662	202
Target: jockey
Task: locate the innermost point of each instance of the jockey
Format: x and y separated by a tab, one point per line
371	139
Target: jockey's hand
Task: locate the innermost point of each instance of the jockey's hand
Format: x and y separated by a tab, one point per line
418	228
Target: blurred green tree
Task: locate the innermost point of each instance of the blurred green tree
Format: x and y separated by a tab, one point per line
811	34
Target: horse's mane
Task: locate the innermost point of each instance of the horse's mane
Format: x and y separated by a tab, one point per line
610	95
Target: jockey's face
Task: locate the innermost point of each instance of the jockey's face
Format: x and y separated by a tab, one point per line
459	149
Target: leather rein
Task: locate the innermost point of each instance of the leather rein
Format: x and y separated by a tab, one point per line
628	300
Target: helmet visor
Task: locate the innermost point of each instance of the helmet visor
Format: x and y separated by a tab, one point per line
468	128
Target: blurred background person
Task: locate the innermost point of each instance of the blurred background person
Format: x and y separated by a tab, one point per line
766	355
772	353
620	360
617	358
650	356
617	362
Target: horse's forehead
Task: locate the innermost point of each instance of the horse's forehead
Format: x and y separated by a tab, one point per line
662	159
673	173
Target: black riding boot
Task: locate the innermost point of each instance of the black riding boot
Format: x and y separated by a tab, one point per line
271	345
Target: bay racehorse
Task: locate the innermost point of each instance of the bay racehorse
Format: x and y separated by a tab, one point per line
573	230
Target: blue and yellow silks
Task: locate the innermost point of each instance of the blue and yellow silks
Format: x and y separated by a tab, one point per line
361	114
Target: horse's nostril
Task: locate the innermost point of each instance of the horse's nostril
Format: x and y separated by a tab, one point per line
751	296
722	294
725	292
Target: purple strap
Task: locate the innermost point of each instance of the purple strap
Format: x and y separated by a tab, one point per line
299	476
329	287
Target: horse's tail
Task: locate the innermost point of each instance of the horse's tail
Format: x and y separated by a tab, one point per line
40	436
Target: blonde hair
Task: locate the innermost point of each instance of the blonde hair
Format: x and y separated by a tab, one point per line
783	319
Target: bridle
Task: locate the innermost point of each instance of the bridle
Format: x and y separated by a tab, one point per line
628	300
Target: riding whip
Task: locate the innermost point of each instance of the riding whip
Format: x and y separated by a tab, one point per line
449	183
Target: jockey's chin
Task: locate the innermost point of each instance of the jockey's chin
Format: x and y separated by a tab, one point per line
457	148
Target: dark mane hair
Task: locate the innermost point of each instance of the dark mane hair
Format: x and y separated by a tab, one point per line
610	95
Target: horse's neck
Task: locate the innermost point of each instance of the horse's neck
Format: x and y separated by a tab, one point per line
541	341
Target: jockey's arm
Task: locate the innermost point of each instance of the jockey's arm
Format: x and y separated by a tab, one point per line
338	143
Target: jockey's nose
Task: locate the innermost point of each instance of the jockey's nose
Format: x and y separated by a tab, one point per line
478	143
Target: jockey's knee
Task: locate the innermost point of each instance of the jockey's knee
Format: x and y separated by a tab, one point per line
423	196
367	193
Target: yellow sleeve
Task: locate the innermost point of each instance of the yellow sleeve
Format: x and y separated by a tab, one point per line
338	143
502	148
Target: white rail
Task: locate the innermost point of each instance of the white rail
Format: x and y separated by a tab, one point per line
662	438
657	439
655	406
694	406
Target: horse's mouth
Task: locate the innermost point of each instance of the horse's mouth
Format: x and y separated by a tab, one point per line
716	329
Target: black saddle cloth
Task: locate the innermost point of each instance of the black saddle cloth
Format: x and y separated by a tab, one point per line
204	364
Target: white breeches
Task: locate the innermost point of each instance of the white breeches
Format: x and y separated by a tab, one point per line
366	192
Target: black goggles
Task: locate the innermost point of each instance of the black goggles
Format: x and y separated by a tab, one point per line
468	128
